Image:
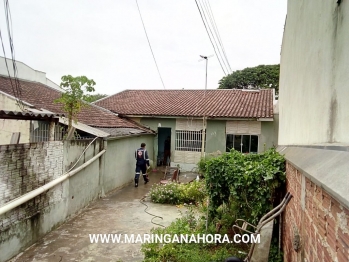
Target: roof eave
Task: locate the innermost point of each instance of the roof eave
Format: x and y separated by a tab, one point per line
266	119
126	136
86	128
200	117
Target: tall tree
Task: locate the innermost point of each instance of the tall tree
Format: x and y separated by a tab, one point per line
76	89
262	76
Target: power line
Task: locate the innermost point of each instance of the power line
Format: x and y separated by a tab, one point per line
209	25
8	71
218	34
150	45
209	36
16	86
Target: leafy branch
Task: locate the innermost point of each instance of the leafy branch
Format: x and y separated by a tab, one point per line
250	181
76	89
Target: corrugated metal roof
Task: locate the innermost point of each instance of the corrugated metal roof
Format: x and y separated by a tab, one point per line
5	114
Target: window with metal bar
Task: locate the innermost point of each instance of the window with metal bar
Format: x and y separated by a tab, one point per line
242	143
188	140
39	131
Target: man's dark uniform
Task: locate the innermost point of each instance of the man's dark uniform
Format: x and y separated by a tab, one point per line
142	160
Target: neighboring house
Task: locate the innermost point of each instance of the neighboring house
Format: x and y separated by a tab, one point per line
239	119
108	161
313	132
37	96
25	72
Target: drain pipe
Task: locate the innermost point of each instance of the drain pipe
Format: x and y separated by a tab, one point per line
26	197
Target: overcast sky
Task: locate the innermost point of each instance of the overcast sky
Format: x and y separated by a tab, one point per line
105	40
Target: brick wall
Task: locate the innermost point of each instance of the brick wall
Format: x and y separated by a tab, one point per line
23	168
320	221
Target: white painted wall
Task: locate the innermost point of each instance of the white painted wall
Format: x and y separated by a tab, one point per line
7	127
26	73
120	163
314	73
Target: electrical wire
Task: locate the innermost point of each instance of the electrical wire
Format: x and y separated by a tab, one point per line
8	71
209	36
209	27
217	32
150	45
16	86
14	90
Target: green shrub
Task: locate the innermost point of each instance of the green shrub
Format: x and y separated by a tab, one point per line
237	186
194	191
174	193
250	181
183	252
165	194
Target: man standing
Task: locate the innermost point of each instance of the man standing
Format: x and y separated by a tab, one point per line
142	163
167	150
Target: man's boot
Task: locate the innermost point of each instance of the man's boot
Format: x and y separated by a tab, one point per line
136	182
146	179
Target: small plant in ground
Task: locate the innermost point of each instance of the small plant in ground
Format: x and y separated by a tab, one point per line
165	194
183	252
174	193
237	186
274	254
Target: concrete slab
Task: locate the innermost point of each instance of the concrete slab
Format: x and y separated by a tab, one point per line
118	213
187	177
326	168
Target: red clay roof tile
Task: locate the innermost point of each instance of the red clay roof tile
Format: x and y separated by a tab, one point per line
42	97
234	103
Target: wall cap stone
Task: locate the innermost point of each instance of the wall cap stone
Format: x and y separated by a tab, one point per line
327	168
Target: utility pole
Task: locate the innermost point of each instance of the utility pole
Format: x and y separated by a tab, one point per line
204	117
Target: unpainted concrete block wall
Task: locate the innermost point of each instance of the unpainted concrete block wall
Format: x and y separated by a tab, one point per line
316	226
23	168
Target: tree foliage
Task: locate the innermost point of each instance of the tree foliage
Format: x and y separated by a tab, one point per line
259	77
94	97
75	92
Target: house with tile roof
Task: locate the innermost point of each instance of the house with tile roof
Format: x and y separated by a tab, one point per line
57	177
241	119
37	97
